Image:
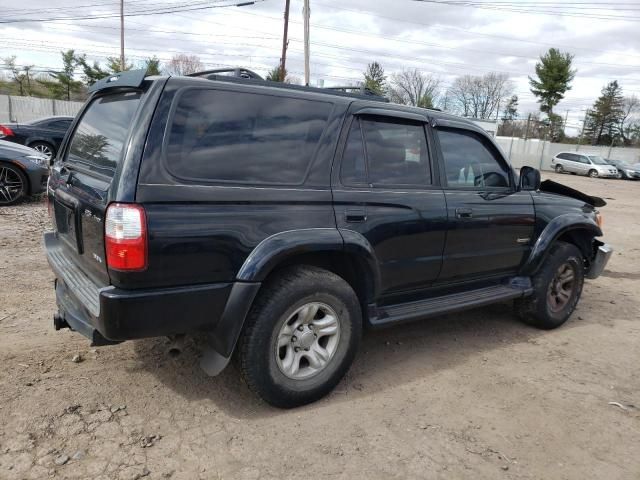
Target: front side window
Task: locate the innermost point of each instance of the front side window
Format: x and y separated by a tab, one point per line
470	160
225	136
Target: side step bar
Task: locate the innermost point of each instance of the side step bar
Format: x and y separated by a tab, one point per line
382	316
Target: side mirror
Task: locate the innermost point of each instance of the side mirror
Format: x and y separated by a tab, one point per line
529	178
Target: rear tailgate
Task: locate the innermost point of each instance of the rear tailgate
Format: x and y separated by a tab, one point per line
80	184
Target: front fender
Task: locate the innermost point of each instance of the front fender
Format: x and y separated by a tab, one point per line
554	229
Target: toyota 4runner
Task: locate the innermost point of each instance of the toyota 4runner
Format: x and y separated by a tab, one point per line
276	222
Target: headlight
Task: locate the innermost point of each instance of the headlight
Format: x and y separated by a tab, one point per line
599	219
629	172
39	159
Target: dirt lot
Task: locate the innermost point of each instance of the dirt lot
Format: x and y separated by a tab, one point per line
473	395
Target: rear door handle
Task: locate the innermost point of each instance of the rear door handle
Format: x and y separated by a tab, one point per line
355	215
464	213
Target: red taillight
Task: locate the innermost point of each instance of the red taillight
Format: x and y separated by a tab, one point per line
125	237
5	131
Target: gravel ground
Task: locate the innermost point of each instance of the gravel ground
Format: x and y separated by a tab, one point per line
471	395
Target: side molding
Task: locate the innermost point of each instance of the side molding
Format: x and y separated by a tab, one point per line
555	228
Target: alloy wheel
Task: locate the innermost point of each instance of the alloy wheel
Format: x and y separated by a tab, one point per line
11	185
307	341
44	149
561	287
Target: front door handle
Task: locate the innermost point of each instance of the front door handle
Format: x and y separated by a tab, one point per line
464	213
355	215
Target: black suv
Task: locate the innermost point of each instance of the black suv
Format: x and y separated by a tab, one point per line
276	222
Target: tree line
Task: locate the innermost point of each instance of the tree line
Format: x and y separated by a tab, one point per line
614	119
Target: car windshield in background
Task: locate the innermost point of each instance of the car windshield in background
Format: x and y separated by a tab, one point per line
598	160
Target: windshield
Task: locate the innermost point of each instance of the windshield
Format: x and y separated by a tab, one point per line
598	160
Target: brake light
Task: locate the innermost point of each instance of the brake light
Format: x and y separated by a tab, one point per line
5	131
125	237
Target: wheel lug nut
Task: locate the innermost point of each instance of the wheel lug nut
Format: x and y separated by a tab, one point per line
301	328
294	339
296	349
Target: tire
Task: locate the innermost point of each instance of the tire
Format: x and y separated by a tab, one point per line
14	185
272	321
539	309
593	173
45	148
559	169
621	175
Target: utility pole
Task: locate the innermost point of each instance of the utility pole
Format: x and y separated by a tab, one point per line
285	42
122	64
584	124
526	133
306	42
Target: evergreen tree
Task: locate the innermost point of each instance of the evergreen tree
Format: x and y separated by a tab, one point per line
554	78
375	80
64	85
152	65
604	119
510	111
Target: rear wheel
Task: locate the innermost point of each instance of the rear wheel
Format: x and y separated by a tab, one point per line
44	148
556	288
620	175
13	184
593	173
300	337
559	169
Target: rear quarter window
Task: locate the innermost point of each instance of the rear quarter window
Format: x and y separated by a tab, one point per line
239	137
98	141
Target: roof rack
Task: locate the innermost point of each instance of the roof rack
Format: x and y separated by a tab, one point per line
244	75
238	72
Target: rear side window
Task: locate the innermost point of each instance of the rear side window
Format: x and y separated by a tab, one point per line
471	161
98	141
395	150
224	136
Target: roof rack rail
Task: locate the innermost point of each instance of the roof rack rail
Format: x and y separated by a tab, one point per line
244	75
238	72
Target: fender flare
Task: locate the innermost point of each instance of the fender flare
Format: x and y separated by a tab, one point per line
554	229
276	248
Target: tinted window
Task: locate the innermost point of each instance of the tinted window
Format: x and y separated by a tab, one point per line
470	160
98	141
396	152
60	124
244	137
353	170
563	156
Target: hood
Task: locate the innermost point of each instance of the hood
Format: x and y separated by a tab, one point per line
554	187
10	149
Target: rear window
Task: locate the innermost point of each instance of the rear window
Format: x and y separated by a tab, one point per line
98	141
222	136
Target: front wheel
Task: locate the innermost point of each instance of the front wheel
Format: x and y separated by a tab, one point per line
13	184
559	169
593	173
300	336
620	175
556	288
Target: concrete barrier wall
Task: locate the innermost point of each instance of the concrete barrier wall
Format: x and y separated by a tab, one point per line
24	109
538	154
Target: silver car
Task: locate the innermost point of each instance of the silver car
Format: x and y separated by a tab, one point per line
583	164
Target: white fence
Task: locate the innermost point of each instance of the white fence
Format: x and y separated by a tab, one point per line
23	109
538	154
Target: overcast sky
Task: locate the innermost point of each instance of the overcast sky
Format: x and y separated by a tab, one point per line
445	38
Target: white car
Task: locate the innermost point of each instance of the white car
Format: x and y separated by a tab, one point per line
583	164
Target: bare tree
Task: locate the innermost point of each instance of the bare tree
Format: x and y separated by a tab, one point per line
630	116
480	96
183	64
412	87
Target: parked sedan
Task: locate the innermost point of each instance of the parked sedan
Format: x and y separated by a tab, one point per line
625	169
583	164
45	134
23	172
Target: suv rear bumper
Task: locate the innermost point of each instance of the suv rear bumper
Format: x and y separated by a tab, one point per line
110	315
